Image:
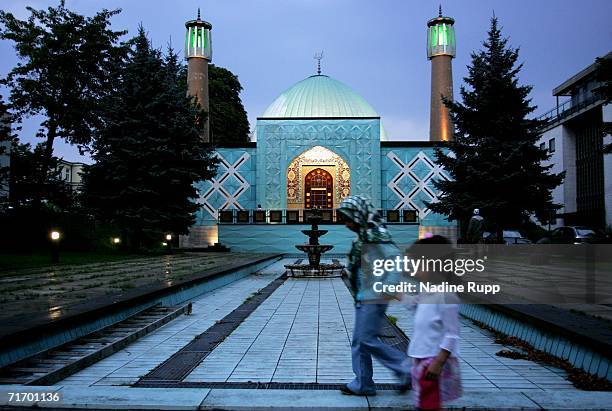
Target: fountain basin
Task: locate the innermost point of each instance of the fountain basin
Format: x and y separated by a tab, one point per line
314	268
319	248
322	270
314	233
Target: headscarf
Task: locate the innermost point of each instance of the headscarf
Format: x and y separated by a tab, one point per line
372	229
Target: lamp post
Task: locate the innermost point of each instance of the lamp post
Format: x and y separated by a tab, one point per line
169	242
55	239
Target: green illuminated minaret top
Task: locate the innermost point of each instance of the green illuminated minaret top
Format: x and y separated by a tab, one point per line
440	36
197	39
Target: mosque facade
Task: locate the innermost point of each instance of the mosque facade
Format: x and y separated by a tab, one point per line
316	143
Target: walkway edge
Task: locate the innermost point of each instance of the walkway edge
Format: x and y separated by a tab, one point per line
124	398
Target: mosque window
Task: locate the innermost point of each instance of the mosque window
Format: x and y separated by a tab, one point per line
551	145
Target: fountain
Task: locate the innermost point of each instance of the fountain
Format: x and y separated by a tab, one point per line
313	249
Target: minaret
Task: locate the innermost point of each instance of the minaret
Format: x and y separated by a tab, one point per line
198	52
441	51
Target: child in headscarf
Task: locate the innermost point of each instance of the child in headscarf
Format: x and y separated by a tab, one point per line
372	237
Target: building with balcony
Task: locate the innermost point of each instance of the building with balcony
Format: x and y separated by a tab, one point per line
5	158
574	137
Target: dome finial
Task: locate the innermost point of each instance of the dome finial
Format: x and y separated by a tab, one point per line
440	11
199	13
318	57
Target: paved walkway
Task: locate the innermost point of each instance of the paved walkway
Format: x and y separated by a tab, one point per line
128	365
482	370
301	333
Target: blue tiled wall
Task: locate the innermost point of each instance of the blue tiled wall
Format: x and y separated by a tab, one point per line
357	141
282	238
234	184
413	170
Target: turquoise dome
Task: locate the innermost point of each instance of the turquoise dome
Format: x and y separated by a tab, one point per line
319	96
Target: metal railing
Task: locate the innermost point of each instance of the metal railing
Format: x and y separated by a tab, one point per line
566	109
301	216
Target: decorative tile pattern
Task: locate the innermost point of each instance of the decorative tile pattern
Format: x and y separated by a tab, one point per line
226	187
280	141
412	185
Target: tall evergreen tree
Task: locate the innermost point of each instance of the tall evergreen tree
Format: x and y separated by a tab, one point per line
148	153
67	64
494	161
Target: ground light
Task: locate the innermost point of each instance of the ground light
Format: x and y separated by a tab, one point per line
55	239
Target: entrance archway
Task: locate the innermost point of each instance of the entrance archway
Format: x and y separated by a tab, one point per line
318	189
322	158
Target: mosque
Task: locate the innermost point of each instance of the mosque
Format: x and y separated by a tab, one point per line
316	143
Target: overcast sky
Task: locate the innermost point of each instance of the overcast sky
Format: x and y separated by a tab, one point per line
377	47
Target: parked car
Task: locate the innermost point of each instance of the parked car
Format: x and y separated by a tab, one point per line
511	237
576	235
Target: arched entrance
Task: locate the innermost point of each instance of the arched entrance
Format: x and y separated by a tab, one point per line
318	189
322	158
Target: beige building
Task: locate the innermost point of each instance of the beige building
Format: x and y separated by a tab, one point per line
573	136
71	172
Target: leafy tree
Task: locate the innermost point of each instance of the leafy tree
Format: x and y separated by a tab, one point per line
67	64
604	76
148	153
494	161
228	119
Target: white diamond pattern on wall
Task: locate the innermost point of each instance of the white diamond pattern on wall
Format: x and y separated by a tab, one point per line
420	171
226	187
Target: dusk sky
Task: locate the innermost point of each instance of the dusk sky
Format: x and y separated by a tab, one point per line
377	47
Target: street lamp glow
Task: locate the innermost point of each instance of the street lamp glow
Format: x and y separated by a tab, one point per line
116	240
55	235
168	237
164	243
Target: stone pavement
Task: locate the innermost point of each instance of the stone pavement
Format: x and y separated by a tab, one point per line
301	333
482	370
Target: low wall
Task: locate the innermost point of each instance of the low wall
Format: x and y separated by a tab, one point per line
179	294
282	238
561	345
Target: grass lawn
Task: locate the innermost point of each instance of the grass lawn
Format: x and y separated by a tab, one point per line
41	259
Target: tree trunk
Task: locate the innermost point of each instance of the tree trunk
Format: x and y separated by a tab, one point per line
46	162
